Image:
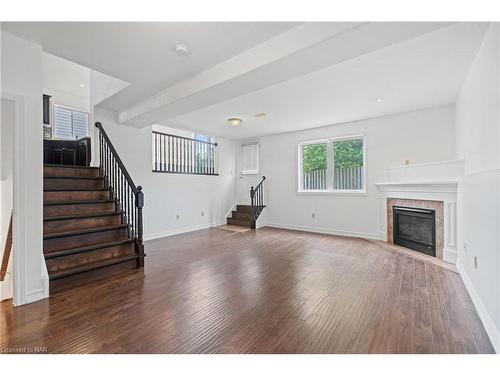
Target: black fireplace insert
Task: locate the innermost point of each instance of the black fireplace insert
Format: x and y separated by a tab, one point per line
415	228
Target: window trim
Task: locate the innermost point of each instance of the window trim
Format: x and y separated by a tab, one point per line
330	169
250	171
72	109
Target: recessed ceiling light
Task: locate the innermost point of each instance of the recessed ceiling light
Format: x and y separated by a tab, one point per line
261	114
379	100
234	121
182	49
82	85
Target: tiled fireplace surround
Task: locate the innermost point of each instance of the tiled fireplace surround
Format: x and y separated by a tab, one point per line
439	196
418	203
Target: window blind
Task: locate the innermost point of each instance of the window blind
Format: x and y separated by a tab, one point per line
250	158
70	124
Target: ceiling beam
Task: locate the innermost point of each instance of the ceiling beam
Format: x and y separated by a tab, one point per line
301	50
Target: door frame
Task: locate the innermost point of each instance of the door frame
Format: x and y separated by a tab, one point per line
20	212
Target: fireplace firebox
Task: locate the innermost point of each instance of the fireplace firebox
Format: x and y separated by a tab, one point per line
415	228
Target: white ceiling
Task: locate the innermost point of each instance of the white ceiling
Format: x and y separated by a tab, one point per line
302	75
418	73
143	53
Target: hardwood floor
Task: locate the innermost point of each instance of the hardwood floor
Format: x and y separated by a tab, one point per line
269	291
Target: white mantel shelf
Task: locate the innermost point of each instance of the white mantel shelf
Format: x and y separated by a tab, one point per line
441	186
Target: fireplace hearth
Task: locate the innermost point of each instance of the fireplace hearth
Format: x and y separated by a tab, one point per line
415	228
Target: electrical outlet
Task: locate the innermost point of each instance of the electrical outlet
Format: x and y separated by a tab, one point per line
202	213
313	215
178	216
475	262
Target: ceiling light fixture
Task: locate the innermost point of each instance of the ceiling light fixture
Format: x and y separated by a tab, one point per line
234	121
260	114
82	85
379	100
182	49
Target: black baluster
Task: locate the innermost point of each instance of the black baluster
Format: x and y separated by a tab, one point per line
156	150
184	154
212	159
162	151
203	158
191	155
100	155
183	164
262	188
172	155
165	146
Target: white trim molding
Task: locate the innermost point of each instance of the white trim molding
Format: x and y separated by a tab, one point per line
486	319
445	191
21	226
335	232
174	232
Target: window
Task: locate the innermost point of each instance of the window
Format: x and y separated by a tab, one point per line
204	138
332	165
249	157
70	123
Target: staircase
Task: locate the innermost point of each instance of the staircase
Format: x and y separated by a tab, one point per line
247	215
92	220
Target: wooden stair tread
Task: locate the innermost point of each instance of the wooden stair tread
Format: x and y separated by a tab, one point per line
90	266
84	249
69	166
244	216
73	177
245	223
81	189
83	231
82	216
68	202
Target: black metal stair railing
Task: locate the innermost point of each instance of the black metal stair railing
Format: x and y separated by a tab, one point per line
257	200
176	154
129	198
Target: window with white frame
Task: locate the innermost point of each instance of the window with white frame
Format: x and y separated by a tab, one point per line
333	165
70	123
249	158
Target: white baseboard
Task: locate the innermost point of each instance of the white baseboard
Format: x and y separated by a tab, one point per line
371	236
261	224
35	295
450	255
488	322
154	236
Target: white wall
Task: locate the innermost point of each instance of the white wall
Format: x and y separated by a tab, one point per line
479	190
21	79
169	195
421	136
62	79
7	110
103	86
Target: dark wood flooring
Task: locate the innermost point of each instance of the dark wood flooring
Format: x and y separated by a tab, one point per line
269	291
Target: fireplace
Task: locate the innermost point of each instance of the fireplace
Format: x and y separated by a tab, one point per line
415	228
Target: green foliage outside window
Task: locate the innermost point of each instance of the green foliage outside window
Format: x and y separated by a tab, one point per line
348	153
314	157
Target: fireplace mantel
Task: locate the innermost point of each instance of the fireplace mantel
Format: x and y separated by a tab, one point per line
435	190
444	186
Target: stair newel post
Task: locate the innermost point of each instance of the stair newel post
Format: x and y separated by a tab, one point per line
262	189
139	202
252	198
